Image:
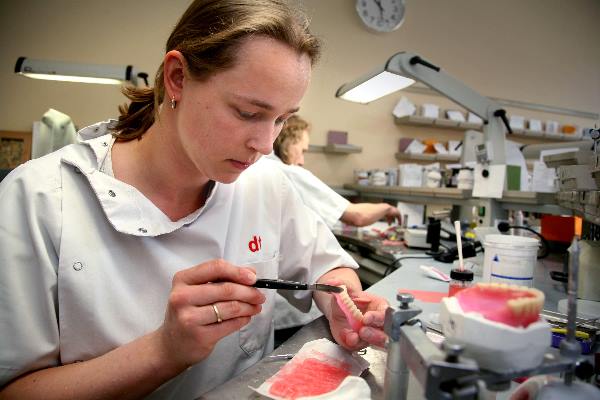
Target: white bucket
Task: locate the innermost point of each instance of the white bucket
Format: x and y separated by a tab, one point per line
510	259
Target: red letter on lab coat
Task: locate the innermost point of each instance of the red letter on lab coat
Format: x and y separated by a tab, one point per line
255	244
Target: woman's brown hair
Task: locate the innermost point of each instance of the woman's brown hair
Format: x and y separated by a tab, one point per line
291	133
208	35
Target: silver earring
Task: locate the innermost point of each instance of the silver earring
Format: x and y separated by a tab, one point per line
173	102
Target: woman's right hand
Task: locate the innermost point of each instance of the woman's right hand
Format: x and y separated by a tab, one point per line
190	330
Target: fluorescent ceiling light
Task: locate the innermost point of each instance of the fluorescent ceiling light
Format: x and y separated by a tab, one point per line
75	72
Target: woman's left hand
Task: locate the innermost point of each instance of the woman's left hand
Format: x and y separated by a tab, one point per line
373	309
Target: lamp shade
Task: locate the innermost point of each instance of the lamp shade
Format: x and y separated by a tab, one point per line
378	85
75	72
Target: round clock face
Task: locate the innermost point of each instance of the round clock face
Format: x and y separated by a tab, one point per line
381	15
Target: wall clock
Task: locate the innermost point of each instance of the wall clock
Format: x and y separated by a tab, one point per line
381	15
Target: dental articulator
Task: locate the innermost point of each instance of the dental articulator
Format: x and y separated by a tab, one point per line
486	347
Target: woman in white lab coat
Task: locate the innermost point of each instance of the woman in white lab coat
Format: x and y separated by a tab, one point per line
289	148
127	259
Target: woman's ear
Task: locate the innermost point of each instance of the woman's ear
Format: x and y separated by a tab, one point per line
174	66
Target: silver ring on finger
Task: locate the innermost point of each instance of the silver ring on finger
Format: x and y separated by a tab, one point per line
217	313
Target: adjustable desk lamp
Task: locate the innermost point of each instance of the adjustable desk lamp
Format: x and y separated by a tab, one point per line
76	72
403	69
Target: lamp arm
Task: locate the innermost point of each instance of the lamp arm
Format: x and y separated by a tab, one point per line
413	66
492	114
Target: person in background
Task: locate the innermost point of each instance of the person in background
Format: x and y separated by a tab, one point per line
127	259
288	155
289	148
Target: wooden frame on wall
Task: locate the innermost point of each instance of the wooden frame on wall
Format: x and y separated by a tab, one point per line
15	148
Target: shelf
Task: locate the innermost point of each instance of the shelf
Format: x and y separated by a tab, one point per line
444	123
428	157
345	192
334	148
546	203
551	136
583	203
422	89
419	195
517	196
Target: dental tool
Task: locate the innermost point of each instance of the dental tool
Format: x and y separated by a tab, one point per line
291	285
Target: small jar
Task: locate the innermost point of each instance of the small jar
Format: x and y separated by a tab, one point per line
459	280
433	179
378	178
361	177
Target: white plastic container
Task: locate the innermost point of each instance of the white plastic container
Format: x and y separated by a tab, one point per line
510	259
378	178
465	178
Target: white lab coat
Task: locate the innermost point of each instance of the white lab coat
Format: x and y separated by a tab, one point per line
86	261
315	193
54	131
328	205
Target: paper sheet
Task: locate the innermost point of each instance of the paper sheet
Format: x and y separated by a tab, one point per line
410	175
404	108
440	148
412	214
318	365
452	147
517	122
474	119
430	110
535	125
455	115
415	147
543	179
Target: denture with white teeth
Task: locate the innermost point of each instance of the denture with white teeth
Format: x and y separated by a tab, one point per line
352	313
499	325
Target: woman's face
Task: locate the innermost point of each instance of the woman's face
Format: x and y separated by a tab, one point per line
296	150
225	123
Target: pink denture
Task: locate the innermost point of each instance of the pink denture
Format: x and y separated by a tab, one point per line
352	313
310	377
492	303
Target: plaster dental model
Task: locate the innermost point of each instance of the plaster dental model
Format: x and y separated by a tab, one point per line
352	313
498	324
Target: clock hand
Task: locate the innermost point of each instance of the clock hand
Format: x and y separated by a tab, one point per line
378	2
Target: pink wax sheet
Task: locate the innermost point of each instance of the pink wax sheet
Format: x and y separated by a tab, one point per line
324	376
492	304
318	368
425	295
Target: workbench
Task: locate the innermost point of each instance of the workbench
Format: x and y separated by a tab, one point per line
407	276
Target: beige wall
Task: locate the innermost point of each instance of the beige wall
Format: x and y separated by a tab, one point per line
541	51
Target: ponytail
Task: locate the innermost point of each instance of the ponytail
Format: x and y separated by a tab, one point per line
139	115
